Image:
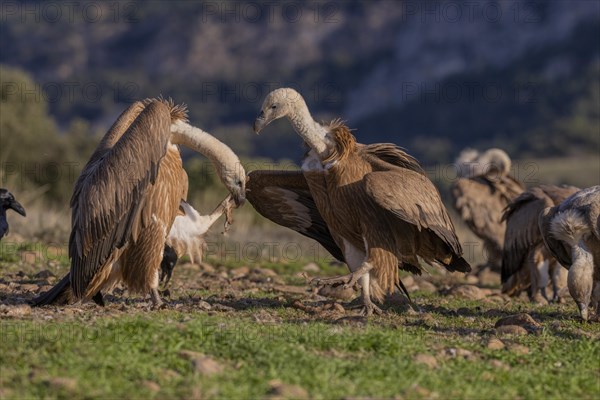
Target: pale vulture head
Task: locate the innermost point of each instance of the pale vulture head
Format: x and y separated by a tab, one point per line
233	176
492	163
279	103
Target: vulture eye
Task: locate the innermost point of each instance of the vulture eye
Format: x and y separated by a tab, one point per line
274	106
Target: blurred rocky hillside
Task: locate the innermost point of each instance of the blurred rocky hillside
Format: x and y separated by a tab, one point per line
432	76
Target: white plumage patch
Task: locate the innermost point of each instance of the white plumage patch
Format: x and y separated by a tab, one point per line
312	162
188	232
569	226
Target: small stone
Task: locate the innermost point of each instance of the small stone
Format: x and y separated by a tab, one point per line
495	344
464	353
207	268
499	364
265	272
239	272
202	364
511	330
151	386
339	308
311	267
472	279
426	359
467	292
171	374
29	287
408	280
280	390
518	349
426	286
204	305
18	310
337	292
69	384
523	320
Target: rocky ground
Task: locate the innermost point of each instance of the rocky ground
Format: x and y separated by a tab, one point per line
455	326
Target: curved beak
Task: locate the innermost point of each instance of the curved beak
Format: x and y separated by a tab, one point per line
239	198
260	122
15	205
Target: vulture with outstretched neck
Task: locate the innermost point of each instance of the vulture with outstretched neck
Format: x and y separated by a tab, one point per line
571	232
481	192
127	197
525	261
371	206
8	202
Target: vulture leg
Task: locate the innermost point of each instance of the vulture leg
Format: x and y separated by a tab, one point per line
596	299
559	280
539	273
368	306
167	265
156	300
580	280
348	280
98	299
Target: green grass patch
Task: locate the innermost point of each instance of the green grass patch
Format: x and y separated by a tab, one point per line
114	355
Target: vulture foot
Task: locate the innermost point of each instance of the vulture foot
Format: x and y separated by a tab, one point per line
157	302
349	281
539	299
365	306
370	309
583	311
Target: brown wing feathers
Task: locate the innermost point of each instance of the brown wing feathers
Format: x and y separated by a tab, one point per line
111	192
106	205
284	198
522	224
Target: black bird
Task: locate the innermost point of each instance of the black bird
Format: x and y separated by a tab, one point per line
7	201
167	265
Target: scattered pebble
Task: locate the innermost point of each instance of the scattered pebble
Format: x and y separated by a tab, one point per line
495	344
280	390
523	320
467	292
426	286
69	384
426	359
151	386
337	292
511	330
17	310
203	365
518	349
499	364
311	267
240	272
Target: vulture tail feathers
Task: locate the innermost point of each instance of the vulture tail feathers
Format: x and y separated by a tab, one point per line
402	288
458	264
59	294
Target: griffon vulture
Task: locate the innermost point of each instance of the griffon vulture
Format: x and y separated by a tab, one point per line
571	231
127	197
7	201
371	206
482	191
525	260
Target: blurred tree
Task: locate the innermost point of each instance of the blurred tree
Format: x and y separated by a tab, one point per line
33	154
